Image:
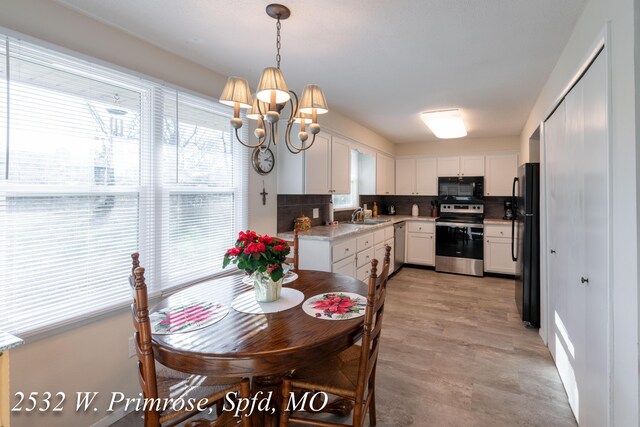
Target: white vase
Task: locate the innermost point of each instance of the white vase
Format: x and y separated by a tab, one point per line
266	290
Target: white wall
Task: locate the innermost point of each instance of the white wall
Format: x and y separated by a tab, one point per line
459	146
620	15
93	357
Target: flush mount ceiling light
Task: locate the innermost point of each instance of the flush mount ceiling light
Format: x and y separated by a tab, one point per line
272	97
445	124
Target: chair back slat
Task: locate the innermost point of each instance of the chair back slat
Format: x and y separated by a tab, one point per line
293	254
372	328
142	338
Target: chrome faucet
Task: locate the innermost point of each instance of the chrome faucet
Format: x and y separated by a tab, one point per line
355	213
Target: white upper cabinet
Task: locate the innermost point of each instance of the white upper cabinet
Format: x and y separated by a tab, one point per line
416	177
328	166
448	166
340	166
385	174
317	165
426	177
500	169
405	176
461	166
289	166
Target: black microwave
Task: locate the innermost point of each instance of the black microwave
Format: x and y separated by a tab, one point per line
461	189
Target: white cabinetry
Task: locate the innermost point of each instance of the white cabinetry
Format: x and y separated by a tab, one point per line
497	249
421	243
461	166
500	169
328	166
416	177
385	174
351	255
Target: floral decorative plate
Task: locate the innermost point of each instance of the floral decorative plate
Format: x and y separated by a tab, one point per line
335	306
288	278
187	317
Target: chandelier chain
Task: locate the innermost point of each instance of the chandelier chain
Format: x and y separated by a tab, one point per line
278	42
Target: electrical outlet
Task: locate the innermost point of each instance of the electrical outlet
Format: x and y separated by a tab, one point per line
132	347
316	212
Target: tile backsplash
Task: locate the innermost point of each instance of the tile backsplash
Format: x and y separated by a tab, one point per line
291	206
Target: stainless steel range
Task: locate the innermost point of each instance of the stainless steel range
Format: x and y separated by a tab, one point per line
459	238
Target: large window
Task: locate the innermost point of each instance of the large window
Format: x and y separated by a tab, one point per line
94	165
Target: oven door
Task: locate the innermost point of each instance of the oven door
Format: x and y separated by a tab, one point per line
459	240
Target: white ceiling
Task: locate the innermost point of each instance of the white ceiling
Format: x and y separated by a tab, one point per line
379	62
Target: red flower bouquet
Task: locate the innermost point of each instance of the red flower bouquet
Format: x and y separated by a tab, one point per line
254	252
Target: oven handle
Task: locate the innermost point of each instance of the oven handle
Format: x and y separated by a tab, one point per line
458	224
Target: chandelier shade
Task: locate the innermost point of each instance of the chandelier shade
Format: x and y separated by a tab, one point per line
257	112
313	99
271	81
236	91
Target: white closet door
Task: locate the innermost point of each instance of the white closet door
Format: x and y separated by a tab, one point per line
594	404
573	259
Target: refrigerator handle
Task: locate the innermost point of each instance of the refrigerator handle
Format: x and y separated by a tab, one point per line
513	218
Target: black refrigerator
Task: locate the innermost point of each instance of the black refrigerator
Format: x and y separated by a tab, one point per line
525	242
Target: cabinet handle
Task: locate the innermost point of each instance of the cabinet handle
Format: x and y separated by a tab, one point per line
366	243
346	250
431	237
584	280
553	251
501	232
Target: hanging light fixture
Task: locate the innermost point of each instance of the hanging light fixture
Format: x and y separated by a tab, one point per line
271	98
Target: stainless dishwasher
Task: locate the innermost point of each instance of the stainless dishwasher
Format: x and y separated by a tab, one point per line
398	253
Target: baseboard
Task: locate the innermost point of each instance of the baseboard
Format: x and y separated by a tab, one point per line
116	415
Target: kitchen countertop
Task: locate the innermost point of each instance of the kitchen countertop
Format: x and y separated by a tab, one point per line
334	232
8	341
496	221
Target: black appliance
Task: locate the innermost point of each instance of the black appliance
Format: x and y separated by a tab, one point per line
468	189
526	226
459	242
508	210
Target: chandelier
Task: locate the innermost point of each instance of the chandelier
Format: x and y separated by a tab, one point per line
271	98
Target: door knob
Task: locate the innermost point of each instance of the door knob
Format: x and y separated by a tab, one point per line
584	280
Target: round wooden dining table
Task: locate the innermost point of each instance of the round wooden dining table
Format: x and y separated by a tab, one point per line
264	347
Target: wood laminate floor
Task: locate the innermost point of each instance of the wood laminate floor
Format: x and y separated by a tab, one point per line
454	353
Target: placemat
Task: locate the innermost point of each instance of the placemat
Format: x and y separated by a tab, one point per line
187	317
335	306
246	302
288	278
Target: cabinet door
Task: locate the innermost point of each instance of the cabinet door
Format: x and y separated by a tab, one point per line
405	177
390	184
500	170
420	249
472	165
340	166
426	177
289	167
346	266
385	179
317	158
448	166
497	256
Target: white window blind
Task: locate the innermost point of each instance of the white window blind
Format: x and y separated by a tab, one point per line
204	174
84	151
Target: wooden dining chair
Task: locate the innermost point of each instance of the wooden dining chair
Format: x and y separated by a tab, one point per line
159	382
293	254
350	374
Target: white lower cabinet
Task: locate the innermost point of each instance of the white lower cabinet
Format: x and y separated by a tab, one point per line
497	249
421	243
351	256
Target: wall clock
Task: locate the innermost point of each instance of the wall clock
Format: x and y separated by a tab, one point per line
263	160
